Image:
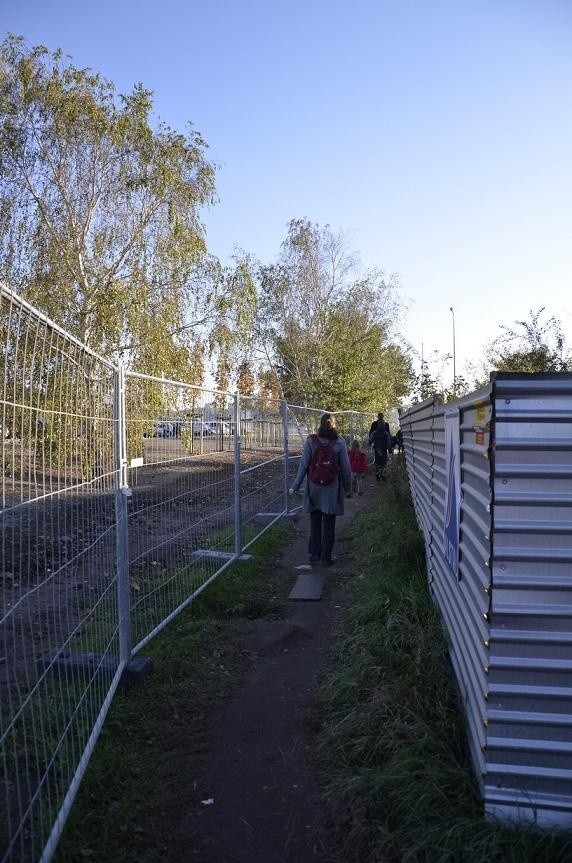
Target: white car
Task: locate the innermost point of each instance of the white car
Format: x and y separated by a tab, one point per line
164	429
219	427
202	428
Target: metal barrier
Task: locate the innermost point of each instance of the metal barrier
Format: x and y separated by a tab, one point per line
180	493
490	479
123	496
57	576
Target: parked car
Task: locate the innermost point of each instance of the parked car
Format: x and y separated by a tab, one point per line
219	427
179	425
202	428
163	428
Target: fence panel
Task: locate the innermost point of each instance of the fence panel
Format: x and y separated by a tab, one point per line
355	425
58	616
417	427
123	496
508	605
460	578
263	455
529	730
182	485
301	422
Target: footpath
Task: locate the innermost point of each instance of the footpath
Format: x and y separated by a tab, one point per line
257	798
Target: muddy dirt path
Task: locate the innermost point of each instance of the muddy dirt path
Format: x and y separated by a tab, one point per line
256	798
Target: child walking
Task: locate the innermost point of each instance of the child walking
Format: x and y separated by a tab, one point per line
358	464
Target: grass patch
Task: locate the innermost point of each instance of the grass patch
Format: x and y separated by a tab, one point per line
392	750
154	735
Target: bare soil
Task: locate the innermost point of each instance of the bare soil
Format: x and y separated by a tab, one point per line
58	550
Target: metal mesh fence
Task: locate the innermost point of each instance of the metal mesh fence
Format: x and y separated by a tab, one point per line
123	496
182	480
263	478
355	425
57	578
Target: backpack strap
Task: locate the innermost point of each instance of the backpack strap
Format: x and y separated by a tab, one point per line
315	444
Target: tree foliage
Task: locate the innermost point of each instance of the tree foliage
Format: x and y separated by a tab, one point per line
246	380
535	345
232	333
100	228
331	335
99	210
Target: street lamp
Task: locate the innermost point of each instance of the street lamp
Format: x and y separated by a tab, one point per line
454	355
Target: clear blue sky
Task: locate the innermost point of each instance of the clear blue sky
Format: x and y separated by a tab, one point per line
437	134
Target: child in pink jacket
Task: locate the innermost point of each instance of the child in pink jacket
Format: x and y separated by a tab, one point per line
358	464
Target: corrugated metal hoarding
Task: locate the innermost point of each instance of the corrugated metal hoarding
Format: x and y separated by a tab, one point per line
529	733
499	560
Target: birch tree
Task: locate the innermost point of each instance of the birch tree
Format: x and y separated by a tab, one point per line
534	345
99	210
334	332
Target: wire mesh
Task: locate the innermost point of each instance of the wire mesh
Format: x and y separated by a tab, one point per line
263	488
180	462
123	496
355	425
57	577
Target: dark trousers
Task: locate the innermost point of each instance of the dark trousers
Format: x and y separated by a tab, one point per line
322	535
380	461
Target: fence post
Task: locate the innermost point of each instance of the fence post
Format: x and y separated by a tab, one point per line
122	535
284	412
237	481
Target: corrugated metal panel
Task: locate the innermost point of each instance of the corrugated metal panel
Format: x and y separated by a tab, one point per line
509	613
464	602
474	570
529	733
417	437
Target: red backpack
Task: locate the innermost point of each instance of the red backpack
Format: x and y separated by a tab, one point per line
323	466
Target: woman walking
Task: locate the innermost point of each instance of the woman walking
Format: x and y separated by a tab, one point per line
326	465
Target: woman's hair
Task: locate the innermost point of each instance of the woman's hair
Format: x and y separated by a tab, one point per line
327	427
356	444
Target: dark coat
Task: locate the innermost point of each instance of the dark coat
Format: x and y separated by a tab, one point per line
327	498
381	442
380	439
373	427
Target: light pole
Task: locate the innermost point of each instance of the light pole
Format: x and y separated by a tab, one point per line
454	355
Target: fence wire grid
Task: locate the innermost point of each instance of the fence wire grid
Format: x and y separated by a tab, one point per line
123	496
